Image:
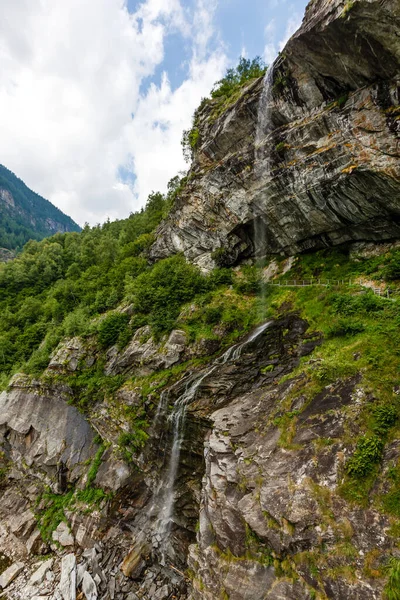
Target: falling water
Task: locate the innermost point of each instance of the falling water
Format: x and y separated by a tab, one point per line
264	121
166	490
263	173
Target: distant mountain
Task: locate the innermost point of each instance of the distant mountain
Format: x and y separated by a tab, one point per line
25	215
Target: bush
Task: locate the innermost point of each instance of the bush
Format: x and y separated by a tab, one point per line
111	328
222	257
235	77
385	417
161	292
368	452
220	276
392	270
346	327
213	315
392	587
76	322
132	442
346	304
249	282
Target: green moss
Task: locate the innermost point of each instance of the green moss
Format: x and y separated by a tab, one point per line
392	587
347	8
280	148
368	452
54	512
132	442
92	473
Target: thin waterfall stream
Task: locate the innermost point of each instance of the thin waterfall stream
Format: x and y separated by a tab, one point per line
263	171
165	493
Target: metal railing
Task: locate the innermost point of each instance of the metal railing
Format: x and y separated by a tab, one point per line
327	283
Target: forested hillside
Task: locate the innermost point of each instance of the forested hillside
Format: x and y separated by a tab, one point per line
25	215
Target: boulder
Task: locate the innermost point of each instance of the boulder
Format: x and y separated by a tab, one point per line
63	535
143	355
10	574
38	576
68	577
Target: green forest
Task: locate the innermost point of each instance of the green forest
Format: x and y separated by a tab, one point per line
30	218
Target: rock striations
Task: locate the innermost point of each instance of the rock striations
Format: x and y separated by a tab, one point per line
310	154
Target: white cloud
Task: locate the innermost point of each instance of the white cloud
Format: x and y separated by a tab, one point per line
272	46
71	77
292	24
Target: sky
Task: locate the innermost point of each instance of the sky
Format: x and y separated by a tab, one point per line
95	94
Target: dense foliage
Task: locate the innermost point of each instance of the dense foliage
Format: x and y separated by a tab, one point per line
30	218
62	286
56	286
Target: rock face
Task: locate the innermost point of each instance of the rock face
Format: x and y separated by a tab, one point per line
307	157
143	355
260	466
38	428
265	496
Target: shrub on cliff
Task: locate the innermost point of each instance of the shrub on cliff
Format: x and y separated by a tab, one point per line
111	328
392	271
235	77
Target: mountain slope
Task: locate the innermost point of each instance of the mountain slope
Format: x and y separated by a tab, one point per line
25	215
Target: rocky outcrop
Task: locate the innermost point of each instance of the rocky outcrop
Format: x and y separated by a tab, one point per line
260	468
40	430
72	355
143	355
276	498
307	157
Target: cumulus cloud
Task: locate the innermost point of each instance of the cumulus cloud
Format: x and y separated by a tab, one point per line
273	45
72	109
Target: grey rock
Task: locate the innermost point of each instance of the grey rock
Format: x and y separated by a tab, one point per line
34	542
70	354
68	577
81	570
23	524
89	587
43	430
62	534
39	575
113	474
10	574
143	355
285	168
162	593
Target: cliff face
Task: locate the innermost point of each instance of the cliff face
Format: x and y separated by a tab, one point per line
307	157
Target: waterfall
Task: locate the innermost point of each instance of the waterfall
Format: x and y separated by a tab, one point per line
264	122
262	159
263	173
177	419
